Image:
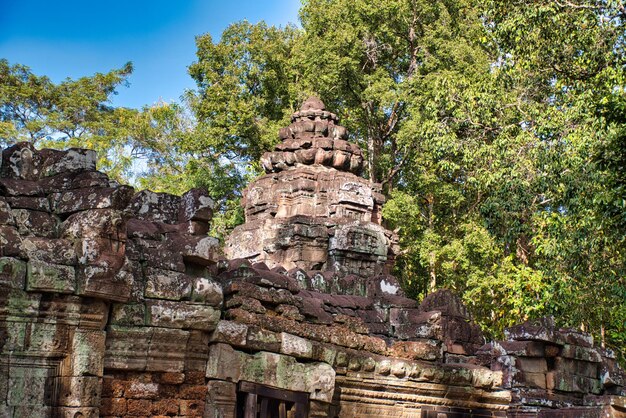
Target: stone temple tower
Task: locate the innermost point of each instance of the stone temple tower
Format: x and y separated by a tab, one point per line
312	210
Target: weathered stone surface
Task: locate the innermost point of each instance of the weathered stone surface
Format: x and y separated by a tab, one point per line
183	316
196	205
229	332
310	210
74	159
195	249
12	273
207	291
20	161
47	277
318	379
28	202
77	200
47	250
104	280
166	284
159	207
31	222
10	241
108	223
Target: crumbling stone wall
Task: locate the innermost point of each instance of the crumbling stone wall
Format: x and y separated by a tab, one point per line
311	210
101	288
115	303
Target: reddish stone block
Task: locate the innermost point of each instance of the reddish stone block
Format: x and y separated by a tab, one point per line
168	391
191	408
113	406
139	407
194	377
192	392
141	390
172	378
166	407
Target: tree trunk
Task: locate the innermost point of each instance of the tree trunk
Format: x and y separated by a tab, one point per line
432	284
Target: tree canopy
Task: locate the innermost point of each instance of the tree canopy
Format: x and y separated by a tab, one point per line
497	128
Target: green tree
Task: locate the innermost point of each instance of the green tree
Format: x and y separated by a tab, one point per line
565	63
70	113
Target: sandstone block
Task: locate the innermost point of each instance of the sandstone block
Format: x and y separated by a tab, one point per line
230	332
417	350
49	250
260	339
166	284
530	379
78	391
196	249
298	347
182	315
565	382
72	201
96	223
579	367
26	390
12	273
31	222
10	241
6	218
318	379
75	180
128	314
196	205
531	365
167	350
221	399
104	281
47	277
87	354
28	202
207	291
160	207
17	187
156	254
138	228
581	353
54	162
224	363
127	347
20	161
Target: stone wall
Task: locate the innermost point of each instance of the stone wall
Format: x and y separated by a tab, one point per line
115	303
106	295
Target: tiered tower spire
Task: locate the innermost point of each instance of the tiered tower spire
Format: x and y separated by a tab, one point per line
311	210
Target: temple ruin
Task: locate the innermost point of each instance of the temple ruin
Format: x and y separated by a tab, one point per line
116	303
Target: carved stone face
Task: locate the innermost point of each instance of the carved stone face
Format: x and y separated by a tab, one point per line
311	203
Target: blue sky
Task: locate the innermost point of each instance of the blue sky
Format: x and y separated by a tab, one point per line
79	38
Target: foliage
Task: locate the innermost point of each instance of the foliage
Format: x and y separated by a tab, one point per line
70	113
496	128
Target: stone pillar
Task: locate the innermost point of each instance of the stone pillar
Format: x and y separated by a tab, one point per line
221	400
